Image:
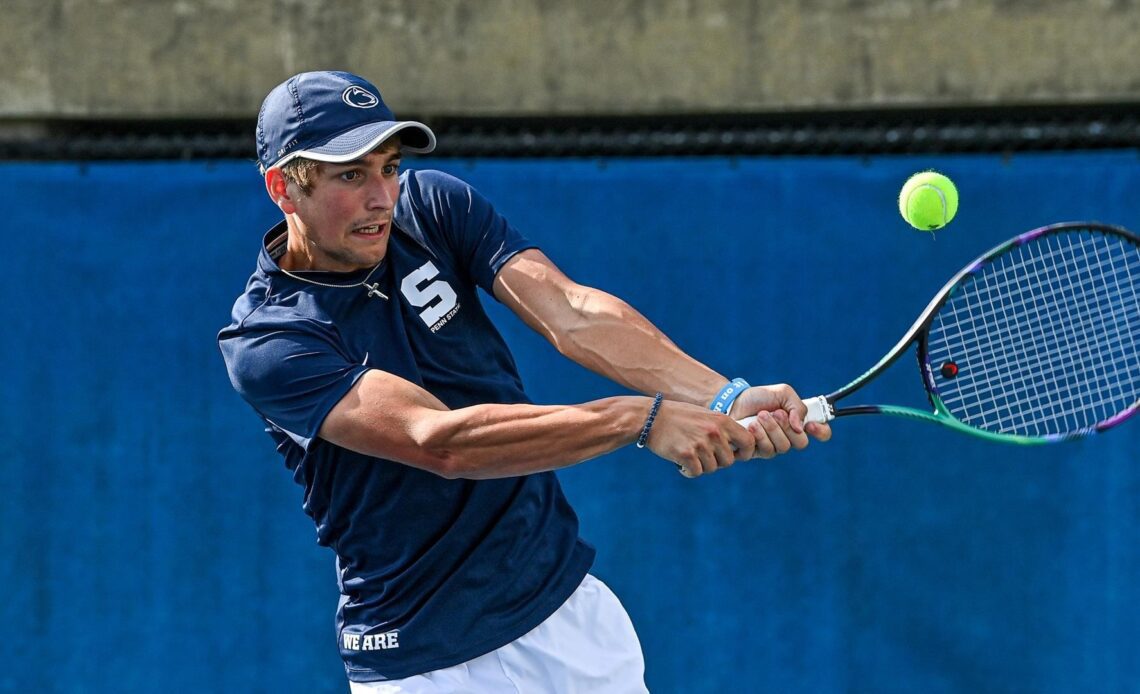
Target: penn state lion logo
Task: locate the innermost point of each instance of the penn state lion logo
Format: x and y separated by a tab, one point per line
359	97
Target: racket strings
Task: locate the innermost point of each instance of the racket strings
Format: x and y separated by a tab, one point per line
1045	336
1046	402
1011	332
1087	361
1073	346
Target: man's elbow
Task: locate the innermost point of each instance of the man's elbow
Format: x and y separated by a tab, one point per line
422	455
430	444
439	458
447	465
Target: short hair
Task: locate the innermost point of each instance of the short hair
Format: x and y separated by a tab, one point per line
301	172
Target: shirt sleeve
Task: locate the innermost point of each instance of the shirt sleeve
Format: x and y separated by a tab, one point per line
481	238
293	377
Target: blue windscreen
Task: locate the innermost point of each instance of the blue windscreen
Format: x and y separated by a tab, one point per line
152	535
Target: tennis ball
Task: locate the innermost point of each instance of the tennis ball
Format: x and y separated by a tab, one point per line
928	200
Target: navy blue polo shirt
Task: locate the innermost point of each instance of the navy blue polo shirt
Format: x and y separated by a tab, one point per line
432	572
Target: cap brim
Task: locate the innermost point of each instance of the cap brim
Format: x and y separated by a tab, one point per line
360	141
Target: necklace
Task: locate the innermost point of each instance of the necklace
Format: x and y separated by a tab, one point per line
373	289
276	251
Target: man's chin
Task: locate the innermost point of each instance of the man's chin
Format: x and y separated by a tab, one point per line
353	263
365	260
369	262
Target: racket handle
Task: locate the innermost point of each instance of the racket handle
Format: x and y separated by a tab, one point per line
817	411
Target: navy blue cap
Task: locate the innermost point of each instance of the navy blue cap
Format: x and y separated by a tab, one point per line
330	116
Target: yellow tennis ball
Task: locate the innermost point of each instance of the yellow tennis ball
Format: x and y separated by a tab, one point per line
928	200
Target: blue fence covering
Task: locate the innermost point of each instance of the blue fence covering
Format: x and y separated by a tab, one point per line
151	539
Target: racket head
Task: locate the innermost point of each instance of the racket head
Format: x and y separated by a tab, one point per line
1038	340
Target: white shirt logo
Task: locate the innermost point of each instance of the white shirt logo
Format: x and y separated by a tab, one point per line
359	97
437	299
371	642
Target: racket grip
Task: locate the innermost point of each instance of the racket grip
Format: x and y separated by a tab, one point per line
817	411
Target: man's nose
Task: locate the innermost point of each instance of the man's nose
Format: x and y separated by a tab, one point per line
380	196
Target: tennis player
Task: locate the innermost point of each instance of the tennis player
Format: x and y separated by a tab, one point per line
361	341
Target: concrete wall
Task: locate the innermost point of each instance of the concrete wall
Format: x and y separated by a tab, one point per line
217	58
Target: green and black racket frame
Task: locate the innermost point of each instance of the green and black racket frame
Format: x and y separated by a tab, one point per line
1036	341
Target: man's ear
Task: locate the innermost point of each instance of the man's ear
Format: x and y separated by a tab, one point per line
277	186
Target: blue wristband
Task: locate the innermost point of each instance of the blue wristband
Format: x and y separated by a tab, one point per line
728	394
649	420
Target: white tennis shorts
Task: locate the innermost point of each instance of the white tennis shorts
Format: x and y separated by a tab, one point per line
588	645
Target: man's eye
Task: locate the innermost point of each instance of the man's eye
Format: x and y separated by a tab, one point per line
391	169
350	175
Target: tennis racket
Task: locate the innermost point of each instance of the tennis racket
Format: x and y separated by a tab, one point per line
1034	342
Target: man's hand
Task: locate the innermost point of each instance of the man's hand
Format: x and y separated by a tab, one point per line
698	440
779	425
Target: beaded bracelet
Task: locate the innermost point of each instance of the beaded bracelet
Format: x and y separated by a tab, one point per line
649	420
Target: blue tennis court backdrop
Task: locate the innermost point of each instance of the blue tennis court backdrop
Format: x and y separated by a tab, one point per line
151	536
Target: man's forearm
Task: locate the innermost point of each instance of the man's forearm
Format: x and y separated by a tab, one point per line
601	332
488	441
385	416
611	338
